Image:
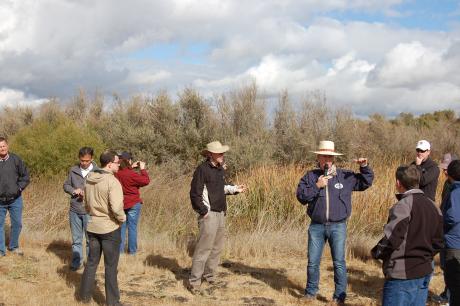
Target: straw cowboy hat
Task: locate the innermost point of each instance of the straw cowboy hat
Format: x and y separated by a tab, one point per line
326	147
215	147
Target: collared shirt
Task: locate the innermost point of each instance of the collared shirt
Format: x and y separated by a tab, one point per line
5	158
84	172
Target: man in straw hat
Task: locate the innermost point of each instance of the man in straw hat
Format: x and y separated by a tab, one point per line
208	195
327	191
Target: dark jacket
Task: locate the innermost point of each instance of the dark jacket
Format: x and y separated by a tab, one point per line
76	180
451	216
412	236
208	189
339	189
429	178
131	181
14	177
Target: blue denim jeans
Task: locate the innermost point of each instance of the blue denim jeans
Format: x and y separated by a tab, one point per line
406	292
14	207
132	218
78	225
335	234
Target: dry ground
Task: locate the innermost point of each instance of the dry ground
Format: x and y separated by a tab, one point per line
156	276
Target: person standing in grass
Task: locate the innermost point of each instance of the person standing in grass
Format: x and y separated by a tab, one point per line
451	218
104	204
131	181
447	159
428	168
78	218
327	191
14	178
412	237
208	196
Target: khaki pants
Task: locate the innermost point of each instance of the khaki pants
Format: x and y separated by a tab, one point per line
210	243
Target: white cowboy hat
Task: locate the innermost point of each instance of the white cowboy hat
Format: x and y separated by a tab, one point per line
326	147
215	147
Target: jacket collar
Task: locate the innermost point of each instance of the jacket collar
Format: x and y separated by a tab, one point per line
400	196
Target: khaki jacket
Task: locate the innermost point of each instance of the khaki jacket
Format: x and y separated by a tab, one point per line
103	202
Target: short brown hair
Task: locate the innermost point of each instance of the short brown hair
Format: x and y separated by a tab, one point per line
408	176
106	158
2	138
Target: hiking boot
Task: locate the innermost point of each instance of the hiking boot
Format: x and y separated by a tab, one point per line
336	302
80	267
194	289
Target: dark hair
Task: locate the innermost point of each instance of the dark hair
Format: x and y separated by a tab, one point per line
453	170
408	176
124	164
86	151
3	139
106	158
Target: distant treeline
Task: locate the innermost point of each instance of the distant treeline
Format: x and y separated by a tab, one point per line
171	132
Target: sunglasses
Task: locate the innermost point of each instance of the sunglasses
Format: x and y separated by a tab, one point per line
420	151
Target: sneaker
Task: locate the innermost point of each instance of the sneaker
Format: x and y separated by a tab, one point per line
440	299
17	251
309	297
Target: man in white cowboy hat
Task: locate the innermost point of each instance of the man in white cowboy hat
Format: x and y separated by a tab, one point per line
428	168
208	195
327	191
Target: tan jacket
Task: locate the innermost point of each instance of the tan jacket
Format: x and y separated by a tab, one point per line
103	202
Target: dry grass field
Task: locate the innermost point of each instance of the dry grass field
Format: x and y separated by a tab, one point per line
264	261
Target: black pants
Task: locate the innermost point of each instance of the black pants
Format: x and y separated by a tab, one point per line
452	273
109	244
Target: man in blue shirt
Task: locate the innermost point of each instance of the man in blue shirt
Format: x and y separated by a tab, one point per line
451	216
327	191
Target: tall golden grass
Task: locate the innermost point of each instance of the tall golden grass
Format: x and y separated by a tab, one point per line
269	206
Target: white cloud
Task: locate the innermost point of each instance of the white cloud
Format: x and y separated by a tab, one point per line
51	48
12	98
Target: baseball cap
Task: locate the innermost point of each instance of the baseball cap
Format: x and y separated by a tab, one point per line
423	145
125	155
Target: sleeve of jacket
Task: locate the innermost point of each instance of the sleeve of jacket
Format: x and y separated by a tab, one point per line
432	174
116	200
438	239
364	179
23	175
394	231
196	192
231	189
452	210
68	188
141	179
307	190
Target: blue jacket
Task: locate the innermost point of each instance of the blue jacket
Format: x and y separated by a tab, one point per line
339	188
451	216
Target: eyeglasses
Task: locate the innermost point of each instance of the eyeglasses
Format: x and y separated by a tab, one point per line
420	150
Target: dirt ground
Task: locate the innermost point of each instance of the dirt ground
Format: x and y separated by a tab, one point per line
152	277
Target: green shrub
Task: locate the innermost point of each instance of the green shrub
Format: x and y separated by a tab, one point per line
51	147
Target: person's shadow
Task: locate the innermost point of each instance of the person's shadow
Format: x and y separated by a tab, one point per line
275	278
170	264
63	250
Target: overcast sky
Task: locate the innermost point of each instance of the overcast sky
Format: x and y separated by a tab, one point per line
386	56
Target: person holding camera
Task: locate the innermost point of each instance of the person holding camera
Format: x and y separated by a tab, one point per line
131	181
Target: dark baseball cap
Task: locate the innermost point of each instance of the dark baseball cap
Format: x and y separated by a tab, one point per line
125	155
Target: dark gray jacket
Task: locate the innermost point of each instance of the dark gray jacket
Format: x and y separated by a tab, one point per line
14	177
412	236
76	180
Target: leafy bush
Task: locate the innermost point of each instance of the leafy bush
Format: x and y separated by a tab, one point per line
50	147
